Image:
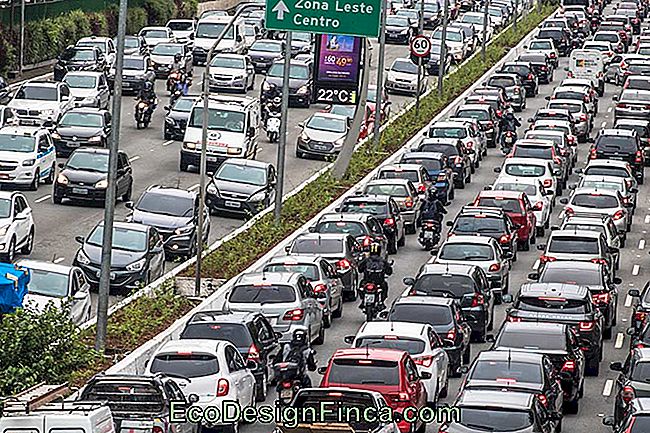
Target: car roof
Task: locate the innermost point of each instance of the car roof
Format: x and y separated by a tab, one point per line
540	327
345	216
403	329
602	178
293	259
170	191
267	278
574	233
602	162
400	167
469	239
20	130
495	398
447	269
526	161
585	266
45	266
388	181
424	300
330	116
483	107
212	316
317	236
191	345
424	155
546	131
128	225
368	197
595	191
369	353
504	355
244	162
500	194
571	291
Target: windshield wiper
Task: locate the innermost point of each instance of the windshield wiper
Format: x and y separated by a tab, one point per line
94	170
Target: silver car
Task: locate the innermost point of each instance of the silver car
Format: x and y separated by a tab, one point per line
581	116
597	223
231	72
600	201
512	85
578	246
405	195
286	299
88	89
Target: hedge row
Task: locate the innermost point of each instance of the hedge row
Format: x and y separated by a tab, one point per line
47	37
146	317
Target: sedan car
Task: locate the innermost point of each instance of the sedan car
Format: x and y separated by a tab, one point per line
577	246
366	229
137	71
264	52
405	195
631	381
300	81
322	135
399	29
601	201
79	59
82	127
529	80
402	77
541	200
231	72
88	89
163	56
177	116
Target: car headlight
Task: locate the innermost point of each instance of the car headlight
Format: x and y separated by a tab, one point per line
258	196
92	99
56	135
102	184
304	137
303	90
339	142
62	179
212	189
189	145
47	112
29	162
82	258
3	230
233	150
184	230
266	86
403	32
136	266
95	139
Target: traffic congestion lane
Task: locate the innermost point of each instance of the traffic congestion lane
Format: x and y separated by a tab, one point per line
409	259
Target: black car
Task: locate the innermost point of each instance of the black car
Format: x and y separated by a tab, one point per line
640	307
251	333
137	71
177	117
559	342
525	71
138	256
241	186
433	65
5	93
636	420
560	39
84	176
595	276
466	283
540	64
264	52
174	213
642	128
399	29
621	144
300	82
457	155
81	127
446	318
632	380
486	221
385	209
134	45
79	59
366	229
439	170
563	303
432	13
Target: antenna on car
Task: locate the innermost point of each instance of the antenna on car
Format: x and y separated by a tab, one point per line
509	357
53	257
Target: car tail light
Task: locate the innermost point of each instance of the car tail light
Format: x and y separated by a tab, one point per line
623	65
627	394
544	258
343	264
223	386
530	77
504	239
424	361
422	188
294	315
640	316
618	215
389	221
542	399
599	261
515	319
569	366
639	155
320	288
622	104
499	113
568	210
451	335
592	153
408	202
552	55
495	267
572	139
517	90
400	396
583	118
458	160
490	124
547	183
478	300
557	160
543	68
366	241
157	429
586	326
601	298
253	353
586	98
470	145
538	206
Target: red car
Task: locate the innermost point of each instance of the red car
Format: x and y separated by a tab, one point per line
518	208
392	373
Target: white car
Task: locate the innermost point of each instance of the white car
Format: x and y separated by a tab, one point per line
546	46
419	340
54	284
41	102
105	45
27	156
16	225
476	19
156	35
606	49
231	72
458	46
541	200
600	201
530	168
215	373
182	29
88	89
402	77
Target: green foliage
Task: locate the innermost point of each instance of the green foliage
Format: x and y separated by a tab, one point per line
159	11
98	24
136	18
9	56
186	8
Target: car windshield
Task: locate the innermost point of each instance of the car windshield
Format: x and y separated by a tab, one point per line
48	283
495	12
228	62
591	228
411	345
134	64
80	81
473	19
250	31
421	313
124	238
530	190
318	246
240	173
478	224
568	94
506	371
474	114
634	95
267	47
156	34
607	37
595	201
77	55
494	419
37	93
448	284
510	205
236	333
641	424
466	252
538	152
411	175
88	120
364	372
101	45
374	208
446	149
429	163
88	161
16	143
186	365
180	25
397	21
546	303
167	50
447	132
387	189
166	204
296	72
574	245
404	66
637	83
530	339
540	45
568	275
264	293
219	120
343	110
213	30
345	227
501	82
131	42
326	123
453	36
308	270
525	170
183	105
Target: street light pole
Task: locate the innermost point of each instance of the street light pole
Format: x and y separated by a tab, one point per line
21	65
380	74
109	205
419	89
485	24
282	143
442	64
516	13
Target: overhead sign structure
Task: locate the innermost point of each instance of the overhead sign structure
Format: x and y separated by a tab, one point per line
338	69
341	17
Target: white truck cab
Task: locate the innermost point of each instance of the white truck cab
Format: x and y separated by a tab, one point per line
233	130
590	65
208	30
27	156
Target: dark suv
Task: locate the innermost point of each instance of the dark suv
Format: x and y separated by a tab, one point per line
79	59
251	333
632	380
457	155
620	144
525	71
486	221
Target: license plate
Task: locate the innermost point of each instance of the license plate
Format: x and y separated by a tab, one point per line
232	204
319	147
126	84
211	158
79	191
112	275
428	235
73	144
286	393
369	298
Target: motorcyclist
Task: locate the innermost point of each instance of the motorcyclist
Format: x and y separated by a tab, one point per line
177	65
432	208
272	101
299	352
148	95
509	123
375	269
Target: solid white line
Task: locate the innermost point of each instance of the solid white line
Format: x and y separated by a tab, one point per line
647	219
642	244
609	110
59	260
602	125
536	265
607	390
42	199
134	158
167	143
628	301
619	340
635	270
193	187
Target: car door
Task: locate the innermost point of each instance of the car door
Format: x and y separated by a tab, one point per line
439	356
242	377
16	222
46	156
157	252
309	304
104	92
333	282
76	307
397	216
554	395
123	174
270	348
416	389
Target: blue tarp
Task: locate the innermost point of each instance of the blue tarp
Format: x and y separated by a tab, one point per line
13	286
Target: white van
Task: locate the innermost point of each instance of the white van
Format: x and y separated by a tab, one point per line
208	30
233	130
589	65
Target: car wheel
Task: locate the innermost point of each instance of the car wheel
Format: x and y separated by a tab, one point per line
571	407
29	245
49	180
184	166
593	367
34	185
339	310
607	333
127	195
321	335
11	251
262	388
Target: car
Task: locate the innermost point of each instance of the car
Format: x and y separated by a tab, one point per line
447	320
605	48
177	116
213	370
594	276
432	13
134	45
540	64
524	70
365	228
632	104
253	31
601	201
583	121
416	173
231	72
513	87
341	250
639	338
84	177
465	282
163	56
105	45
560	133
182	29
323	134
88	89
174	213
389	372
619	28
497	15
609	167
615	39
16	226
610	182
467	132
157	35
29	156
642	129
640	308
420	341
287	300
405	195
498	105
536	145
559	342
402	77
577	246
540	199
79	59
138	256
546	46
578	93
456	154
264	52
570	304
300	84
138	70
487	119
399	29
58	284
301	43
637	418
486	221
41	102
530	168
477	20
437	166
518	207
457	44
82	127
631	381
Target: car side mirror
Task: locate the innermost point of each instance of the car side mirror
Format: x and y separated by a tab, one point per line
616	366
425	375
564	200
548	98
79	239
608	421
541	247
634	293
383	315
507	298
321	370
251	365
312	229
615	98
434	251
617	280
497	169
128	205
167	108
349	339
507	255
531	120
408	281
463	369
449	223
287	248
277	335
534	276
630	331
634	190
573	186
578	171
490	338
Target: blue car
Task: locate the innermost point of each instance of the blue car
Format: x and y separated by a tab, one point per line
437	166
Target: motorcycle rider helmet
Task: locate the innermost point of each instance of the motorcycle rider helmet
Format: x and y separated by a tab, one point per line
177	57
148	86
299	337
277	100
432	193
375	249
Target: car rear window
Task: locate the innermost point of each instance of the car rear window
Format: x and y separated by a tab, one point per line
446	284
411	175
387	189
549	34
429	163
309	271
641	130
611	143
317	246
466	252
446	149
572	108
547	303
530	190
411	345
126	397
493	419
447	132
421	313
345	227
262	294
525	170
501	82
531	339
588	227
474	114
566	275
364	372
188	365
507	204
557	139
353	402
637	83
595	201
374	208
236	333
506	371
479	224
573	245
607	171
539	152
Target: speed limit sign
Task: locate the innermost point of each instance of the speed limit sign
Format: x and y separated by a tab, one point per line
420	46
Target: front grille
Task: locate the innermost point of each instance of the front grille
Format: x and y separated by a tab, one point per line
222	77
233	195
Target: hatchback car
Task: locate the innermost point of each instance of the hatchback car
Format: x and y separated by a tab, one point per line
636	420
582	119
177	116
437	167
601	201
486	221
322	135
631	381
405	195
540	199
82	127
402	77
365	228
518	207
524	70
513	87
263	52
88	89
530	168
79	59
621	145
458	157
577	246
300	81
231	72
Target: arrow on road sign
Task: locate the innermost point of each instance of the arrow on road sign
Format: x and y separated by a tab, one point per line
280	9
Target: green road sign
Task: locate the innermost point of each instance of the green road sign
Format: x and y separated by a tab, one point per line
343	17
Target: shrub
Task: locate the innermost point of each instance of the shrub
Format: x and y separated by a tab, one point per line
186	8
9	59
136	18
98	24
159	11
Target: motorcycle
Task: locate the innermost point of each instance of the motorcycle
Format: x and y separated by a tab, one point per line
508	139
142	114
371	295
429	234
288	382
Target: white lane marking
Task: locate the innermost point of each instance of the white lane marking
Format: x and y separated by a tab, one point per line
536	265
619	340
647	219
607	390
59	260
134	158
602	125
42	199
167	143
193	187
628	301
609	110
642	244
635	270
